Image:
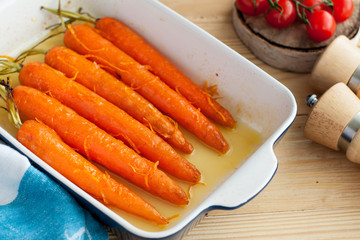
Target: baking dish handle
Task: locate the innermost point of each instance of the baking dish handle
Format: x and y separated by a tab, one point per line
248	181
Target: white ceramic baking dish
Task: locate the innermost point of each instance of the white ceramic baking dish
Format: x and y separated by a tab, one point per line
249	93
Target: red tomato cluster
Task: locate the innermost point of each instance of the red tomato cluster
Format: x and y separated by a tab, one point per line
320	16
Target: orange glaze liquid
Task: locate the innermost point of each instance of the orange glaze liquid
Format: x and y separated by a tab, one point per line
215	168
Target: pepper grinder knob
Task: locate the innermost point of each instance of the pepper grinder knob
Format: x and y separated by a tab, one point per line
311	100
334	121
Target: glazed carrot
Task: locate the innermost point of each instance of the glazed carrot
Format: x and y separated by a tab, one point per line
96	144
95	78
108	117
85	40
135	46
47	145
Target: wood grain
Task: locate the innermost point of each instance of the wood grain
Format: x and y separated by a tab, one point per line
319	224
315	192
348	58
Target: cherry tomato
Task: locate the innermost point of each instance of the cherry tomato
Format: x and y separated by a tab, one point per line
342	9
247	6
321	26
311	3
285	17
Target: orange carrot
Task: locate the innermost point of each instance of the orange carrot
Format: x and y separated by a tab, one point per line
96	144
47	145
95	78
134	45
85	40
108	117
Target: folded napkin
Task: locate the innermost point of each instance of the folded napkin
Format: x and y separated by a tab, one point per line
33	206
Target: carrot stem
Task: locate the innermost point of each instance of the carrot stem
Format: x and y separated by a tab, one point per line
73	16
8	99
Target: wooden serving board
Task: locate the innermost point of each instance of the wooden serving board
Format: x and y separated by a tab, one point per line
288	49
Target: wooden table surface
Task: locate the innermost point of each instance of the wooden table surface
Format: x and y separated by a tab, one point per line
315	193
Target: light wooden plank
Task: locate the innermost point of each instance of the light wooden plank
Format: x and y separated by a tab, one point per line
324	224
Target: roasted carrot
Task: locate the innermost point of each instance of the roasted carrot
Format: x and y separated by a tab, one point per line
85	40
93	77
135	46
108	117
96	144
48	146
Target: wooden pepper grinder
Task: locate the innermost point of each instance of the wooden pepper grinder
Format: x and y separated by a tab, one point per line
335	121
338	63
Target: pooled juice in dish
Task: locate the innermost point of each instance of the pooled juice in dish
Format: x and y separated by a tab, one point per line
214	167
